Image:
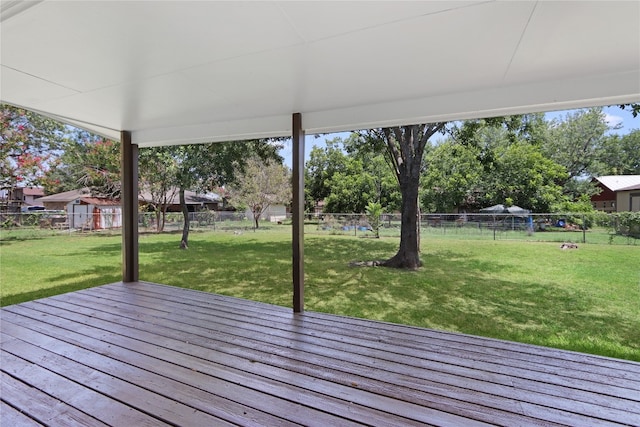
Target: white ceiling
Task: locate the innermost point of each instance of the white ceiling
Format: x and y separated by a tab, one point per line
197	71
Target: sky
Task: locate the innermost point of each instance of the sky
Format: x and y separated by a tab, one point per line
614	116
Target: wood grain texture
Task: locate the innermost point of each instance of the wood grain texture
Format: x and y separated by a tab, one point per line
147	354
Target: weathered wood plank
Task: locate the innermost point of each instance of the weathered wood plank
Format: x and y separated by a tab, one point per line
164	348
40	406
195	298
320	394
629	393
391	332
202	377
600	384
78	396
94	366
152	385
624	370
10	416
168	326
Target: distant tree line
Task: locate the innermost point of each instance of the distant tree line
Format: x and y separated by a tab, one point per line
526	160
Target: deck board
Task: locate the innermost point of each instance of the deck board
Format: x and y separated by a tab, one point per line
9	416
147	354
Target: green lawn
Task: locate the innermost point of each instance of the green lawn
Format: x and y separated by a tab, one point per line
585	300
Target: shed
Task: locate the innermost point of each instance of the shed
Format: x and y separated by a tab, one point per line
94	213
85	210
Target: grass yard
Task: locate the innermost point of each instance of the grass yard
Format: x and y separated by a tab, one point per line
585	300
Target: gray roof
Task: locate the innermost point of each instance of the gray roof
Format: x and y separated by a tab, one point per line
631	187
66	196
619	182
192	198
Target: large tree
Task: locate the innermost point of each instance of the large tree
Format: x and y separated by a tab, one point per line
348	178
524	177
207	166
453	178
323	163
575	143
260	185
87	160
496	162
620	155
157	181
405	146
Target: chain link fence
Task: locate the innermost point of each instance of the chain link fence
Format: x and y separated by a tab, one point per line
44	223
595	227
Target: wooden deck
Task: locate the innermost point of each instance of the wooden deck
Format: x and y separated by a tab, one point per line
143	354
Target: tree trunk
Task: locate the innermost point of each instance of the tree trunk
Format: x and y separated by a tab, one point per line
256	217
164	217
408	255
158	214
184	243
405	147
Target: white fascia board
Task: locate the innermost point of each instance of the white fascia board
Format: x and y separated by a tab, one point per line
238	130
583	92
621	88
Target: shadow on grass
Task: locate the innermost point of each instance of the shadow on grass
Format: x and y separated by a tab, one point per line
467	295
83	279
451	292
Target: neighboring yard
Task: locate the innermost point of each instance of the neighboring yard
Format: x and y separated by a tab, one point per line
585	299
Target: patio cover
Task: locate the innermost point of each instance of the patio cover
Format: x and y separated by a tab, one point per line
174	72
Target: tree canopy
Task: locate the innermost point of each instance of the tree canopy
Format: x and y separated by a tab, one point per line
205	167
28	143
261	185
347	178
542	164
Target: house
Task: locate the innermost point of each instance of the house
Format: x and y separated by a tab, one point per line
616	193
20	198
59	201
273	213
86	211
195	201
29	196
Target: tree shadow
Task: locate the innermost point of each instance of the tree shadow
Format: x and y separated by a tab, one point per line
82	279
450	292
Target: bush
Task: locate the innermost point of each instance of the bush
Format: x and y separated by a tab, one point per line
627	224
374	212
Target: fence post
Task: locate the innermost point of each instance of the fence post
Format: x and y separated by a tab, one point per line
584	230
354	221
494	227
